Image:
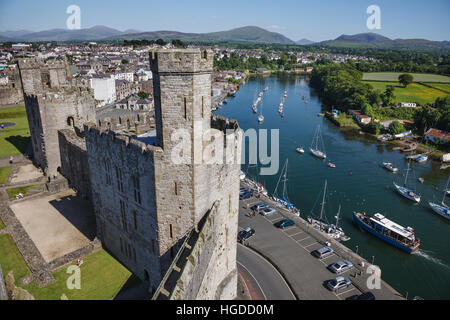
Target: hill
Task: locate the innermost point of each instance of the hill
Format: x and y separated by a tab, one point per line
304	42
374	40
244	34
94	33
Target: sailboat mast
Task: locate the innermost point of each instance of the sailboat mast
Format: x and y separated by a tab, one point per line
337	217
407	171
323	202
445	191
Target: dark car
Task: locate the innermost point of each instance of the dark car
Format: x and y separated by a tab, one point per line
284	223
245	195
365	296
245	234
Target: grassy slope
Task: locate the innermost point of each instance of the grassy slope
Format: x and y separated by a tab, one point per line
14	140
13	191
11	259
4	174
2	225
102	277
415	92
393	76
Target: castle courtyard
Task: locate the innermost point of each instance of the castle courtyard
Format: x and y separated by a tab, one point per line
57	224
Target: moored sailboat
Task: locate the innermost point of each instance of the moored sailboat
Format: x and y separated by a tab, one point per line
442	209
314	149
406	191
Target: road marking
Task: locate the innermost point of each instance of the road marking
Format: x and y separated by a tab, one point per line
309	245
295	234
303	239
262	291
353	288
288	229
277	272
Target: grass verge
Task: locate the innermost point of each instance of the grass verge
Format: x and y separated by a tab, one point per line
12	192
4	174
14	140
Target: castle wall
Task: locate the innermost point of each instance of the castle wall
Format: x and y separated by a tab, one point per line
74	161
137	247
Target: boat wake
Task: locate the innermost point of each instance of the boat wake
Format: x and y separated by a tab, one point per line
427	255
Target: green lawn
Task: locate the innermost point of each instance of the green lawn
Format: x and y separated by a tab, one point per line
102	277
393	76
2	225
415	92
4	174
11	259
12	192
442	86
14	140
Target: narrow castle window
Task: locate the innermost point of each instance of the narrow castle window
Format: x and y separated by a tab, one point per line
122	214
146	275
107	172
70	122
119	179
171	232
185	108
135	220
176	188
153	246
203	106
137	189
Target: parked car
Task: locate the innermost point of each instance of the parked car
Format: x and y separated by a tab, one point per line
267	211
338	283
365	296
259	206
323	252
245	234
284	223
244	190
245	195
340	266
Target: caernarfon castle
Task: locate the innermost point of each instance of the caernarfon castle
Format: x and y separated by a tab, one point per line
174	225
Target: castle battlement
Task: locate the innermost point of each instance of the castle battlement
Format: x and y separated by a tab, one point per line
223	124
121	139
181	61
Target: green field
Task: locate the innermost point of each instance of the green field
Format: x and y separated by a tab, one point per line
12	192
4	174
441	86
14	140
415	92
102	277
393	76
2	225
11	259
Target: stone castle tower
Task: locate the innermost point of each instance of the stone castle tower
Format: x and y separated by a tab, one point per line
147	206
53	102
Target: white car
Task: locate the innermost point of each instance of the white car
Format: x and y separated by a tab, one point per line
266	211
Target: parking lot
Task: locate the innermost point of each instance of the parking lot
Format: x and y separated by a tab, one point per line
290	249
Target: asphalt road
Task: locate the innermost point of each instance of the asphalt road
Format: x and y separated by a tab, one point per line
290	250
266	283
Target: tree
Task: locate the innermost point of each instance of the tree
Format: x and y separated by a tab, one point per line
367	109
178	43
125	61
142	95
396	127
405	79
388	96
373	128
160	42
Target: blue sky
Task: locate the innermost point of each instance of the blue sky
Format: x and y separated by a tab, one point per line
313	19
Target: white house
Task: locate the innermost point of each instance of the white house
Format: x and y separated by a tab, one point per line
104	89
124	75
408	105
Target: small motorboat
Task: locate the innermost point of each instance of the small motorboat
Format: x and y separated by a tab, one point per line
261	119
390	167
300	150
242	176
331	165
422	159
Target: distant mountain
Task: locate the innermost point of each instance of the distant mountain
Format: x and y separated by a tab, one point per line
304	42
244	34
94	33
5	39
374	40
14	34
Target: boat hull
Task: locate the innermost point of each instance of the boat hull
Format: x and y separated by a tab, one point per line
407	193
383	237
440	210
318	154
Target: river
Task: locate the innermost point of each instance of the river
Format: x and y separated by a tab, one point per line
358	183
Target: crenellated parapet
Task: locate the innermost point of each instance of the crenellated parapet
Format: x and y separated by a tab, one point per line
181	61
